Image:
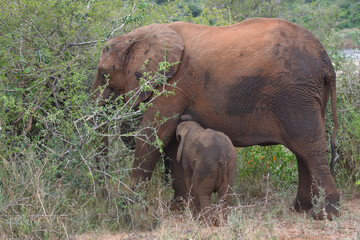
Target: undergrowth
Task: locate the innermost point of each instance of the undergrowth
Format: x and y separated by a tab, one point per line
50	184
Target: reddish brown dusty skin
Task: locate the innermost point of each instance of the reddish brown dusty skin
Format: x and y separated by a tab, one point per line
261	81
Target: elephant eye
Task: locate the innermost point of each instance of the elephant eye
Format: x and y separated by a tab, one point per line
103	76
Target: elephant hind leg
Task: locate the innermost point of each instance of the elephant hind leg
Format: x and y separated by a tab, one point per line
224	199
317	189
202	190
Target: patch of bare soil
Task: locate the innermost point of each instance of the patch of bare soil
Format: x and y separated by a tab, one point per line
289	225
346	227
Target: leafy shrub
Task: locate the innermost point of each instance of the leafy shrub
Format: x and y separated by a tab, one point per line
348	169
50	184
50	130
256	163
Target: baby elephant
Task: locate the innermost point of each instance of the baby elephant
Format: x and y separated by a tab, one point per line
209	161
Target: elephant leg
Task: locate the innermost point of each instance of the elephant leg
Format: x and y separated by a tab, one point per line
102	163
158	124
302	201
180	190
224	199
225	188
203	188
178	176
314	173
146	154
102	160
324	181
179	187
146	157
206	211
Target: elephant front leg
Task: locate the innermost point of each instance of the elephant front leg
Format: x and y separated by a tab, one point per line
158	128
146	157
178	176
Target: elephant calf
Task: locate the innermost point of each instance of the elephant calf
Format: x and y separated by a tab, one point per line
209	163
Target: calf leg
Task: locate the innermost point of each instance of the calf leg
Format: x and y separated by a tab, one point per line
203	187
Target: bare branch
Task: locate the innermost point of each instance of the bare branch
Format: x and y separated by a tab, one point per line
85	43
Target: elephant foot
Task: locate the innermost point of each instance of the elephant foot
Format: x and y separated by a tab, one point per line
328	208
301	205
329	213
213	217
215	221
177	204
317	212
332	211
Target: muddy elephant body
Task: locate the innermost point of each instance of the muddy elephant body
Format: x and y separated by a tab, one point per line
208	159
261	81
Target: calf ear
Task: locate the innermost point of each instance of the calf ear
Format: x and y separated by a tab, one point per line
179	152
181	133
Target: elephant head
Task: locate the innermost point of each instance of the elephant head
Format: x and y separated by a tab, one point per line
181	132
122	59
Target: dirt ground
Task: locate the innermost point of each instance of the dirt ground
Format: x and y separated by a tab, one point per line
347	227
295	226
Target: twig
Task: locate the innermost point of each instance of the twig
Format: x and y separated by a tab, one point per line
104	40
92	176
85	43
67	235
122	25
129	189
197	231
262	210
41	202
38	215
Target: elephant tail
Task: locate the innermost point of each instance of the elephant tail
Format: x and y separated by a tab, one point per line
331	80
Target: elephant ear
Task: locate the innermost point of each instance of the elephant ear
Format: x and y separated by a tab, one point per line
147	47
181	132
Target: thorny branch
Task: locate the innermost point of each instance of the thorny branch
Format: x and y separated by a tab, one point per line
75	43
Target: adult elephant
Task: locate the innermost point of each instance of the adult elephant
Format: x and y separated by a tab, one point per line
261	81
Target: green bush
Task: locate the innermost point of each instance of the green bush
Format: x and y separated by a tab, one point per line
50	184
348	137
257	165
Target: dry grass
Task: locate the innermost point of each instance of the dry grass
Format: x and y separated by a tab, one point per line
269	218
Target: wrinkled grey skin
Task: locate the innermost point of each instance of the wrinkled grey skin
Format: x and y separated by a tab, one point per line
208	159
